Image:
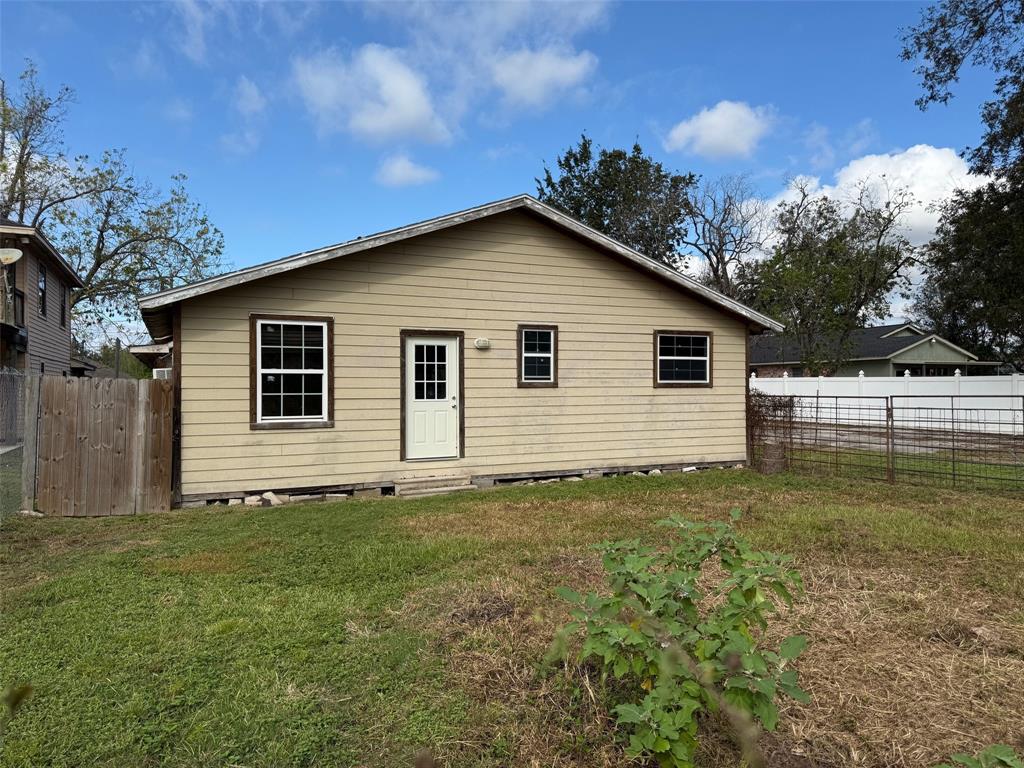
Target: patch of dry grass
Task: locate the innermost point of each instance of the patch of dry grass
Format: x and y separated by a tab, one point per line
904	669
909	660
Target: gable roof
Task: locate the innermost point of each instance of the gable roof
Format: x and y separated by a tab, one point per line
14	228
154	305
904	327
875	343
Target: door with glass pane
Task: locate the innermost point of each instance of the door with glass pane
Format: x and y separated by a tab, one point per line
432	407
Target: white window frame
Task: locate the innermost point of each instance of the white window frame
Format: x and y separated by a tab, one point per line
659	357
524	354
260	370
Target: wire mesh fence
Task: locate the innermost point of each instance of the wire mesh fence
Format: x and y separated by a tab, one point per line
12	434
944	441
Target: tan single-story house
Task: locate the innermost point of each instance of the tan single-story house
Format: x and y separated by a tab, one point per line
501	342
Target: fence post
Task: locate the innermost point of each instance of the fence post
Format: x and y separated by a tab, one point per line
30	445
906	382
860	384
836	410
785	382
792	408
890	458
140	455
952	437
956	381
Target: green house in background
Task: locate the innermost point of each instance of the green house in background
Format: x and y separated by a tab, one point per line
884	350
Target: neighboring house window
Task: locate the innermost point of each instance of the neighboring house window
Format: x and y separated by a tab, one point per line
538	355
682	359
293	380
42	290
63	307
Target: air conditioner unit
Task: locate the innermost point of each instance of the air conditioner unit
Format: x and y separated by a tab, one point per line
162	373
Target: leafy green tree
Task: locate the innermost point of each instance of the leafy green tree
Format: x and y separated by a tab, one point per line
832	269
123	236
973	293
982	33
973	284
626	195
129	367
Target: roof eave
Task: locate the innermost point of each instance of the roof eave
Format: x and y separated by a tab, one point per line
40	238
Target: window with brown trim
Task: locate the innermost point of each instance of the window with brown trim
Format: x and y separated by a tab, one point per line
291	372
682	359
537	355
41	284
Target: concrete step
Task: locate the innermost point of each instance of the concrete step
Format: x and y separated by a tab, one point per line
435	490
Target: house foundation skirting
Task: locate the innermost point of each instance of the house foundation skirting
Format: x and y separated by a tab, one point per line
387	487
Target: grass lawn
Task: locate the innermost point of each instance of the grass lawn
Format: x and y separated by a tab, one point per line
10	480
356	633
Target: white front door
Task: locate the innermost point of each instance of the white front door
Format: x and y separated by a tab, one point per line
431	397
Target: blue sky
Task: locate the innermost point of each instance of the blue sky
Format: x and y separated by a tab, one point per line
303	125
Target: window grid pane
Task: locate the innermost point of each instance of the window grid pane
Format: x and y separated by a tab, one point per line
538	355
292	365
683	358
430	372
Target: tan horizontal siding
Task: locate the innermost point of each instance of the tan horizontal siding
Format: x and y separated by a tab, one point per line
483	278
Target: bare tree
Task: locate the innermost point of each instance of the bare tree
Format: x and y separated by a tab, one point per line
122	235
726	224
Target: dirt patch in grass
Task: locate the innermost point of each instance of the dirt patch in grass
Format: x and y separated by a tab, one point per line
200	563
211	561
905	667
496	634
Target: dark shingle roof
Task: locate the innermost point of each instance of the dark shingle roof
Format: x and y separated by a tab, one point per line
865	344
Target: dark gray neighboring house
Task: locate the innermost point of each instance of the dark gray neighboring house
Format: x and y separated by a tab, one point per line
35	304
883	350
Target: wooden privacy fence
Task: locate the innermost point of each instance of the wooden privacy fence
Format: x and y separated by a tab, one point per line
97	446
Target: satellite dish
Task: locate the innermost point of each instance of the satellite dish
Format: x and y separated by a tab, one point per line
9	255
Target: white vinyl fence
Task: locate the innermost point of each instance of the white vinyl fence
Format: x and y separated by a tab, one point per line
987	403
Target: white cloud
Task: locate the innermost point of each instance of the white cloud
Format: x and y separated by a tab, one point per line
461	47
534	78
248	99
824	150
929	174
178	111
196	18
400	171
374	95
145	62
241	142
728	129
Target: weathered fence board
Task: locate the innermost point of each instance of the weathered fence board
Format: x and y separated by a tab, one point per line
101	446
